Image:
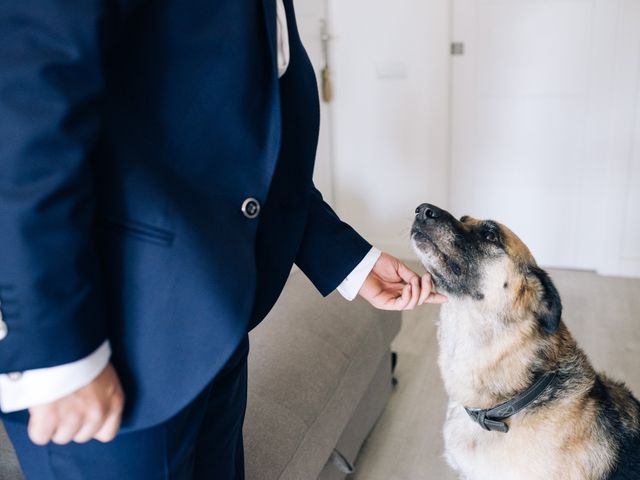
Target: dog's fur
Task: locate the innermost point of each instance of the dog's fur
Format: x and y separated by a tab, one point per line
501	329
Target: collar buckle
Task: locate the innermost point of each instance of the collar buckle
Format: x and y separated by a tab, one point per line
492	419
491	425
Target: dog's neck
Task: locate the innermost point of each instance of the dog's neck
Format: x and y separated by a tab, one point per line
484	358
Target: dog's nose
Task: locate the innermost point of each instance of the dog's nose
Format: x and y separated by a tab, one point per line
428	211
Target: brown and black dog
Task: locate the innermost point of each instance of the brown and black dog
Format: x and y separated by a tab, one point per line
524	401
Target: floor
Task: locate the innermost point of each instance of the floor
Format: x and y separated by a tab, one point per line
602	313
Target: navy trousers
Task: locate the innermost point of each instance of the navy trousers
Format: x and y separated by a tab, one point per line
203	441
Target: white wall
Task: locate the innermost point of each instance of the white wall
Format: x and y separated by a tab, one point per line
391	112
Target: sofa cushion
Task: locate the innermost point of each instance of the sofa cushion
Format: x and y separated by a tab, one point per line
311	361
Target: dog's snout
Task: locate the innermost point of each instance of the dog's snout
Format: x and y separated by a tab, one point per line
428	211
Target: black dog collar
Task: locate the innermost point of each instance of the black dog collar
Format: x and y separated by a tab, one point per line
491	419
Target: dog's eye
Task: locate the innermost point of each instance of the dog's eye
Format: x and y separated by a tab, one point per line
491	237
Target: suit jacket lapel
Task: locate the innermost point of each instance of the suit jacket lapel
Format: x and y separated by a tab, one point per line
270	19
292	26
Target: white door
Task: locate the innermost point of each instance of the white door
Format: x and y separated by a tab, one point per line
311	16
620	243
532	121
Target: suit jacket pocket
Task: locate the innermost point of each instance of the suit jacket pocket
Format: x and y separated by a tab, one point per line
139	230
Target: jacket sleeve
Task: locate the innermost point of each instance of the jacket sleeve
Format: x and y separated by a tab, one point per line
330	248
50	89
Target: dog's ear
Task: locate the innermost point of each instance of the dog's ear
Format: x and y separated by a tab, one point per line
548	308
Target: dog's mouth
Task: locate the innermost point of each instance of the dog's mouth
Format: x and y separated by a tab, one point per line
428	249
431	250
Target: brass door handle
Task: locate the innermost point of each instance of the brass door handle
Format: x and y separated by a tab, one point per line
327	84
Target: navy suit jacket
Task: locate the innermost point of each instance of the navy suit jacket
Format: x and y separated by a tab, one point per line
131	132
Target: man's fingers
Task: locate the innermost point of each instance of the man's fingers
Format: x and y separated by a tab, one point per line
42	425
393	302
406	273
392	285
67	428
110	428
93	423
405	298
427	295
425	289
436	298
415	294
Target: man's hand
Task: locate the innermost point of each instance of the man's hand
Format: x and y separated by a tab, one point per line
391	285
94	411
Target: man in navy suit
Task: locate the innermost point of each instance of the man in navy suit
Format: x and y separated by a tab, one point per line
156	164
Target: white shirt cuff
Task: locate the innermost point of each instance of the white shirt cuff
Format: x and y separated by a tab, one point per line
284	53
40	386
351	285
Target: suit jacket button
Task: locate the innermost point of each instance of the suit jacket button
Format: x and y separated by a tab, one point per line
251	208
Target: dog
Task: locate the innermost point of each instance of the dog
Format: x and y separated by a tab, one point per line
524	401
